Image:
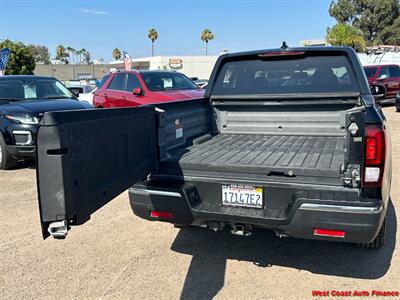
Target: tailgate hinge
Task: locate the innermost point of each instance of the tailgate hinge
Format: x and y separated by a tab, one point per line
58	229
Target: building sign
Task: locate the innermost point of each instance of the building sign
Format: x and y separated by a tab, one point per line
175	63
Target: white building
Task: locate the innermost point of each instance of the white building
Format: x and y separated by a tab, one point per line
382	58
191	66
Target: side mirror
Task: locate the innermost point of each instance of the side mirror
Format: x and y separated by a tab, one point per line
137	92
75	92
378	91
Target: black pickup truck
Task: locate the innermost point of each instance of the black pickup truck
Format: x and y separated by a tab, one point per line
285	139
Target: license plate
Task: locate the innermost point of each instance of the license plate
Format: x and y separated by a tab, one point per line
242	196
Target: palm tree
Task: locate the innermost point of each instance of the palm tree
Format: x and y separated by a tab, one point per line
70	51
81	53
206	36
116	54
75	52
87	57
346	35
153	36
61	53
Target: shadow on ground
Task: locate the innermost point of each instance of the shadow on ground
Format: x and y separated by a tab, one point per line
210	251
25	164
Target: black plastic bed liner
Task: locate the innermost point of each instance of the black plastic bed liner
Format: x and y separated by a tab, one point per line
272	155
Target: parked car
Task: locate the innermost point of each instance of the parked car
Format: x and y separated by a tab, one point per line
134	88
83	92
398	101
88	97
387	75
23	101
307	157
80	89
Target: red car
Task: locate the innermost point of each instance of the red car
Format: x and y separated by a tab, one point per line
387	75
134	88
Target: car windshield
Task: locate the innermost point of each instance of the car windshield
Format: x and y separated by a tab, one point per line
370	72
302	73
161	81
17	89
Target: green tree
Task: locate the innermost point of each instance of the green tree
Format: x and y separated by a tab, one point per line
61	54
40	53
391	34
206	36
152	34
373	18
346	35
21	60
116	54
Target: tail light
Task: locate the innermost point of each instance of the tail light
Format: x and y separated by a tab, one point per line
374	155
281	53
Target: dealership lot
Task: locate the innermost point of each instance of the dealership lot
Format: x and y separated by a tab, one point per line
117	255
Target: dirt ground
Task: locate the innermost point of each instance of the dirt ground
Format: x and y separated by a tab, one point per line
117	255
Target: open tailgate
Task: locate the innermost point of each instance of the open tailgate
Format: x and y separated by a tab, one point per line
85	158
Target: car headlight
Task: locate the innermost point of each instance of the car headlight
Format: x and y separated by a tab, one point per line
23	119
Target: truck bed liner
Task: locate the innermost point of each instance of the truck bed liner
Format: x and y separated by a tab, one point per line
266	154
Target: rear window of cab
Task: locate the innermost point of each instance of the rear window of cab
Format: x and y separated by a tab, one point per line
303	73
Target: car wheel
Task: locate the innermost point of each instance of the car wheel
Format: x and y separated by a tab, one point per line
378	241
6	160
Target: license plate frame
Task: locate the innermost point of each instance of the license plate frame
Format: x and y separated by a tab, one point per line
244	196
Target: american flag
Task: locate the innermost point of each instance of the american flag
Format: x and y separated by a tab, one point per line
127	60
4	54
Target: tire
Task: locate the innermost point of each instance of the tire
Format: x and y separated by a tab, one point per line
378	241
6	160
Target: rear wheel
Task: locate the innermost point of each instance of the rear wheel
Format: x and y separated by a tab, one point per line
378	241
6	160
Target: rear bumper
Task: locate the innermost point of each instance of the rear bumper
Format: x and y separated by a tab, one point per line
360	222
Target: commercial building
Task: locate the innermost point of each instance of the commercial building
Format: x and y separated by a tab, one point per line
80	71
191	66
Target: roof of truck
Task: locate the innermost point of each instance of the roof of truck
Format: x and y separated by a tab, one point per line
290	49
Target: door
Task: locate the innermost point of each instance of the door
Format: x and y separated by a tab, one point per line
132	82
86	158
115	90
388	77
393	84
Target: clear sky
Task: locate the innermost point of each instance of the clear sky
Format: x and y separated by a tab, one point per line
102	25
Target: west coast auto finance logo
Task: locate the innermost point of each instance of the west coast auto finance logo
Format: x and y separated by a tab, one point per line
355	293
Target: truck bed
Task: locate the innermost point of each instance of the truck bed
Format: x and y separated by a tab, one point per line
270	155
